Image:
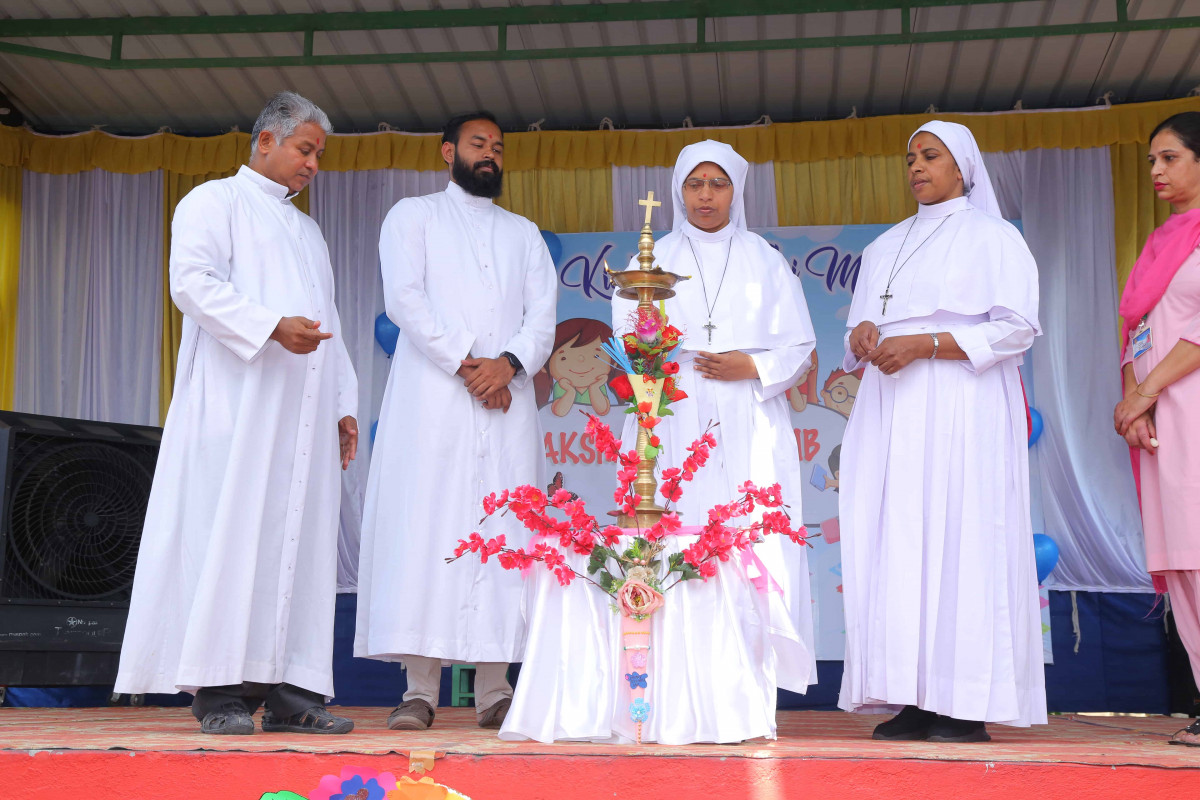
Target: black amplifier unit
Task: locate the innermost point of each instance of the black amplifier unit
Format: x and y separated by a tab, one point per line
73	504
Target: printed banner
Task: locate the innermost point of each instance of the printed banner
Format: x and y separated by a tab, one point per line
827	261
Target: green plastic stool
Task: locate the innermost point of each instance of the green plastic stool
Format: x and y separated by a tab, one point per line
461	680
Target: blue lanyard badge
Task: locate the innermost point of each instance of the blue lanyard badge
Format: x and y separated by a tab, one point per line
1142	341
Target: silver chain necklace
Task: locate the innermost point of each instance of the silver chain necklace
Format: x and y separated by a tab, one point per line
887	291
710	327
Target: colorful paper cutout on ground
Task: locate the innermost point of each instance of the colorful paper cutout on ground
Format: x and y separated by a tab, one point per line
363	783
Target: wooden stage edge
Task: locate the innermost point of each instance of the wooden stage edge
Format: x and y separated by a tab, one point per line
103	753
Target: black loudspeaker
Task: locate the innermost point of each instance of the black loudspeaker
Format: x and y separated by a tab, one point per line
74	501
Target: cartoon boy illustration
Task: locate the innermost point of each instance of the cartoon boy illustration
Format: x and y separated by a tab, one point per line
574	375
841	388
805	390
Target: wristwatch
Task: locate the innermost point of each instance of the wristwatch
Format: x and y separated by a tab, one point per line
516	362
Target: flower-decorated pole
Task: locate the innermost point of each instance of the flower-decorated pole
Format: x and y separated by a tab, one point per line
646	285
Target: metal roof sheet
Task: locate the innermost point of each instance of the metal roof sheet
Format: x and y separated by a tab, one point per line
644	90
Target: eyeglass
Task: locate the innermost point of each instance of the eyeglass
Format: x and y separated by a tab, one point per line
716	184
839	394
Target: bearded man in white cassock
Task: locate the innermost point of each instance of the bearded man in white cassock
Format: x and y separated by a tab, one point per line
941	599
747	337
473	290
236	579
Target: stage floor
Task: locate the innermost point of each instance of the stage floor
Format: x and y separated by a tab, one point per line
126	752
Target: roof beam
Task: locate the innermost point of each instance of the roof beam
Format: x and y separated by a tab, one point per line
454	18
500	18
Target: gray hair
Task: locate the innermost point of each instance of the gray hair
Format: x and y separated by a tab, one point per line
282	114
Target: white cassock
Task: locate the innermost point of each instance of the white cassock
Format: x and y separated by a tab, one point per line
940	585
721	648
237	573
461	276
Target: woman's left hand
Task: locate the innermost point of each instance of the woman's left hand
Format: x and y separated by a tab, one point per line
897	352
1129	409
732	366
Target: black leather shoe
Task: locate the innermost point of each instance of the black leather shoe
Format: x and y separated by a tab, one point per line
910	725
316	720
230	720
949	729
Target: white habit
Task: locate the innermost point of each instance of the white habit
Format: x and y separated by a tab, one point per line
939	578
237	573
720	648
461	277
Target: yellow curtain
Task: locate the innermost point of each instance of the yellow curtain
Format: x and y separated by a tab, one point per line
1137	210
561	200
10	265
843	191
588	150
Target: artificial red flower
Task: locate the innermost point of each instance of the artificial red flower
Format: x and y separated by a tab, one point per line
670	367
644	408
655	441
649	422
622	387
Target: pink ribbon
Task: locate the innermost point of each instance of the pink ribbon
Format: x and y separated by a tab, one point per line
763	582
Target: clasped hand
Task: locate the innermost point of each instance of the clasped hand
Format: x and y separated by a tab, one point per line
893	353
732	366
488	379
1133	419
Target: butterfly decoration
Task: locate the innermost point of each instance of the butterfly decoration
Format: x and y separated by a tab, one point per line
556	485
637	680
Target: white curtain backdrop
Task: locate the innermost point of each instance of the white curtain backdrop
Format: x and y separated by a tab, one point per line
89	308
1083	488
630	184
350	207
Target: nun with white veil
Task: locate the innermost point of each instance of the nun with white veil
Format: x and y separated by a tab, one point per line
942	613
720	648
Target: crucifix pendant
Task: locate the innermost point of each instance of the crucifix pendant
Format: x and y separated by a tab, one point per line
710	328
887	295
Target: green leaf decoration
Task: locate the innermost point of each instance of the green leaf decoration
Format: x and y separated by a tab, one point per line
282	796
607	581
666	412
675	562
650	452
688	573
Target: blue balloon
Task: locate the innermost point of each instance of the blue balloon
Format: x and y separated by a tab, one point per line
374	427
1035	425
1045	552
554	245
386	333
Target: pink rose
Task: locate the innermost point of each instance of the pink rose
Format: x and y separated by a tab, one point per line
636	599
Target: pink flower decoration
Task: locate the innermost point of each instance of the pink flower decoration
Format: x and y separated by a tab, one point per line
637	659
636	599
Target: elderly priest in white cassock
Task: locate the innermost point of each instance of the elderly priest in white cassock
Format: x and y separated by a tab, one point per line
473	289
942	611
236	579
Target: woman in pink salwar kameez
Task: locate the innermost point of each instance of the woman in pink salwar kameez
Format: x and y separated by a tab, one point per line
1160	413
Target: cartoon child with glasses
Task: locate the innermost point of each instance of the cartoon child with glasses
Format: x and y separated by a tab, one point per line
841	388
